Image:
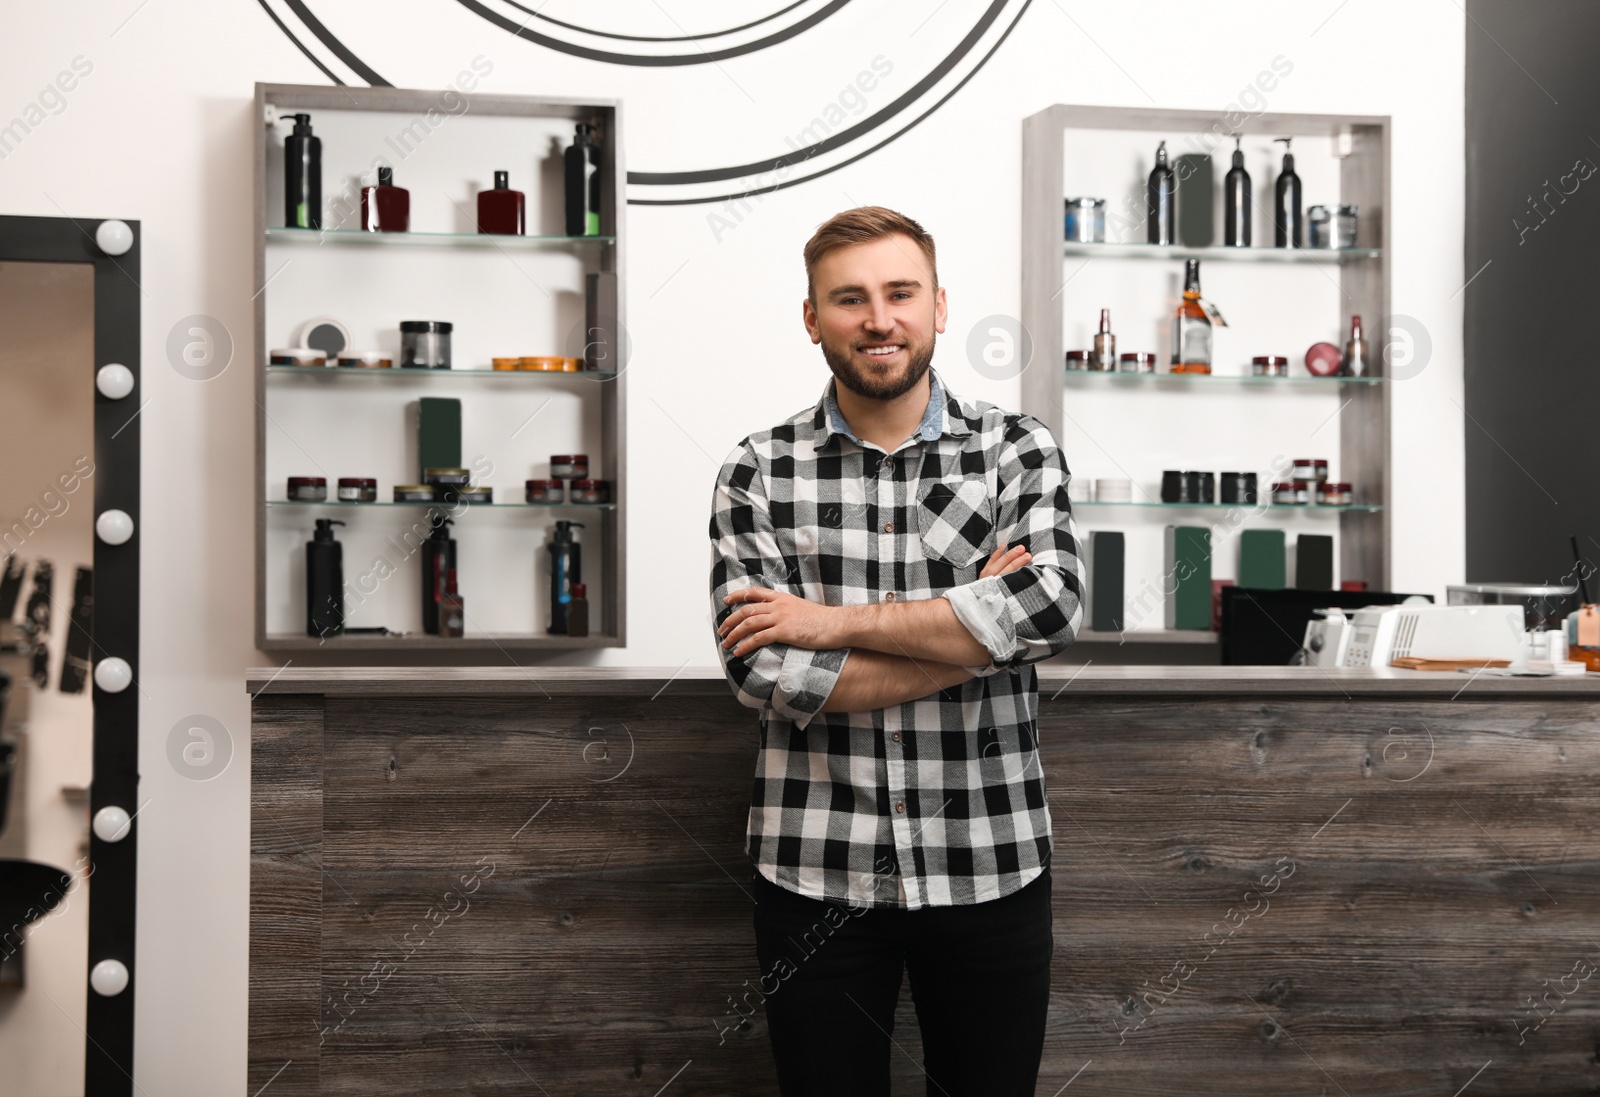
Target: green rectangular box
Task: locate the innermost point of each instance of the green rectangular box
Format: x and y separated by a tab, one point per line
438	434
1262	559
1188	577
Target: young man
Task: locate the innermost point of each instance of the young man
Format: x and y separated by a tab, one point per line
886	568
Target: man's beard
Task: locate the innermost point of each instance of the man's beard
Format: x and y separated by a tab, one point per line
851	377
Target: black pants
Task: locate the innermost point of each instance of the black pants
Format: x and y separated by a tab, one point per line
980	981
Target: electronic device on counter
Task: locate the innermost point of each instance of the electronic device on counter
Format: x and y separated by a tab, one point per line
1378	635
1327	633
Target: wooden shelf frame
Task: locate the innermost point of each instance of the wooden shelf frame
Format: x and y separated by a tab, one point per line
1364	179
606	255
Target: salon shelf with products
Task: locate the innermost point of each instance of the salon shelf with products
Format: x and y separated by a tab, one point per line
503	293
1277	301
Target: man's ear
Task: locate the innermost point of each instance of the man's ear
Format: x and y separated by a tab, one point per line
940	311
808	316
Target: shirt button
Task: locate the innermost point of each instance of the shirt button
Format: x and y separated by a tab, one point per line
889	597
887	465
897	736
901	807
888	527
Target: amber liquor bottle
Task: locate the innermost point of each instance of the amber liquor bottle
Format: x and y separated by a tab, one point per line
1191	327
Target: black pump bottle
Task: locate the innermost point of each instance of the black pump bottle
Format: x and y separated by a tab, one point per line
566	568
1287	224
1236	201
324	581
302	175
1161	200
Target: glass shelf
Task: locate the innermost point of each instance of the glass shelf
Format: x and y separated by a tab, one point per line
424	239
1303	508
1205	378
453	508
1225	254
413	371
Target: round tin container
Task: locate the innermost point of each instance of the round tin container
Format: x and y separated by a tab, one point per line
476	496
365	359
591	491
545	491
414	493
308	489
357	489
569	466
297	356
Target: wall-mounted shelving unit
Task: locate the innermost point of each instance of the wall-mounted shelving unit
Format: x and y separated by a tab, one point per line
505	296
1229	415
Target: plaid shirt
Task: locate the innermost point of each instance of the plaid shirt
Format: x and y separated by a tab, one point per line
945	794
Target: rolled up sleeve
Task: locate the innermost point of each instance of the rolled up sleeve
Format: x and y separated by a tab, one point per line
791	681
1036	611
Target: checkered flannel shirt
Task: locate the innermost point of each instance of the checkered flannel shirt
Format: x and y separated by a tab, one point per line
938	801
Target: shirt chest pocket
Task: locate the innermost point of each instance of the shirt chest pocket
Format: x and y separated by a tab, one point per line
955	521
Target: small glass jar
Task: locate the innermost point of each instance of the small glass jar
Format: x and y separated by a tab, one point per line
1332	227
1284	494
447	478
475	496
1077	359
1319	470
1269	365
357	489
308	489
1238	487
545	491
414	493
1334	493
569	466
1303	468
591	491
1086	220
1136	362
425	344
1304	492
297	356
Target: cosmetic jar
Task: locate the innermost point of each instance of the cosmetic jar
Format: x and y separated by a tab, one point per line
1208	486
591	491
1332	226
1304	492
569	466
1269	365
414	493
544	363
1086	220
546	491
297	356
1319	470
1284	494
357	489
425	344
1078	359
1113	490
571	365
1302	469
1334	493
475	495
1238	487
506	363
1172	487
365	359
1136	362
308	489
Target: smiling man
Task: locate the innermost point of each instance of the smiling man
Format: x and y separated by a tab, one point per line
886	568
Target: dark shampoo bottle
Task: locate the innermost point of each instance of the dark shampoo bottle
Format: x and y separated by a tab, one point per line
324	581
302	175
583	183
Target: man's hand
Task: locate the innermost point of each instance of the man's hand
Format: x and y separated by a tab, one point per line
774	616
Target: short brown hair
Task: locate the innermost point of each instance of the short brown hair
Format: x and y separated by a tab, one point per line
858	226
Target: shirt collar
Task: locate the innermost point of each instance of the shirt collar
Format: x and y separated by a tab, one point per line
937	420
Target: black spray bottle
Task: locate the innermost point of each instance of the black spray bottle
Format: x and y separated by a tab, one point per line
1287	226
566	569
438	572
1236	201
324	581
302	175
583	183
1161	200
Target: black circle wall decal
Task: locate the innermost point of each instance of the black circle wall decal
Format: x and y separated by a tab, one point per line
951	53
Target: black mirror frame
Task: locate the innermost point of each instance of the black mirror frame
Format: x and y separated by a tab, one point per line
108	1021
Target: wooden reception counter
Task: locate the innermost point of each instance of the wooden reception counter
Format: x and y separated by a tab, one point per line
1267	880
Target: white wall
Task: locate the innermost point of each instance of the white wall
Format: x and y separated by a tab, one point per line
160	130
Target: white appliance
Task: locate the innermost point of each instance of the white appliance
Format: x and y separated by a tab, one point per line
1379	634
1327	633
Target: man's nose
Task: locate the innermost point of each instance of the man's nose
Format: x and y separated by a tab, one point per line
879	319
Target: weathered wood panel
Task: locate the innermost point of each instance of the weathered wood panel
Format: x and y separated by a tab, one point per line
549	895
